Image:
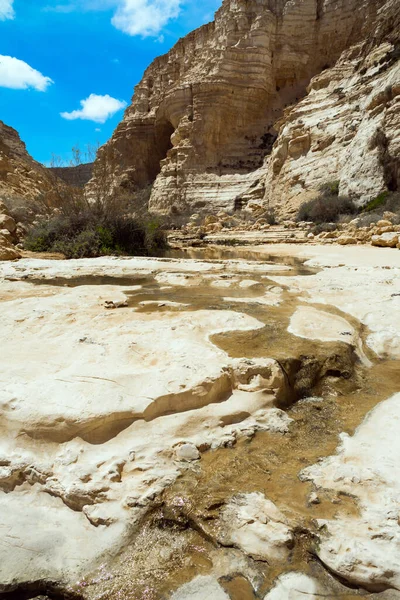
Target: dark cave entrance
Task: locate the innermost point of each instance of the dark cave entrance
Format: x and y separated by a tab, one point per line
163	131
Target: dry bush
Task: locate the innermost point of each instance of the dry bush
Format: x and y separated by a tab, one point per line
328	207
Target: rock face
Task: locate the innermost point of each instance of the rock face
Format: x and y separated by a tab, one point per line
21	177
217	121
76	176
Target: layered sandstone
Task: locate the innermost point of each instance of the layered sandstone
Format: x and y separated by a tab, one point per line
347	128
21	177
204	119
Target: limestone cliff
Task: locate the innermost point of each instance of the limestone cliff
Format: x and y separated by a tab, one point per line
347	128
21	177
206	116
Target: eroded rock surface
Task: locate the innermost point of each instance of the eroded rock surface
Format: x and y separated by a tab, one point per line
365	550
160	465
101	409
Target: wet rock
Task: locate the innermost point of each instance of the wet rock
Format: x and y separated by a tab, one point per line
313	498
364	549
254	524
201	588
296	586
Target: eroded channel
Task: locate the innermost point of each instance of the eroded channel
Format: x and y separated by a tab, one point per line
330	387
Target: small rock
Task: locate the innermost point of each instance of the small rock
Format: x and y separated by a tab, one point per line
115	303
187	452
313	498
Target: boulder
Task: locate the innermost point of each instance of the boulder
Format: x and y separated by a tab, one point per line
7	222
7	250
345	240
385	240
7	235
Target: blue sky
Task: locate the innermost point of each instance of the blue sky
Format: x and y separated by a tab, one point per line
54	54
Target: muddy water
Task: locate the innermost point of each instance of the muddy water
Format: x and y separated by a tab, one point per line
177	541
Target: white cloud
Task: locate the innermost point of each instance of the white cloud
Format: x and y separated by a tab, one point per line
6	10
134	17
145	17
18	75
96	108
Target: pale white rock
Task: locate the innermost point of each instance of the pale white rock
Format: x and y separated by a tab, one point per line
309	322
203	587
122	303
187	452
97	434
248	283
163	304
268	299
363	282
296	586
43	539
223	283
255	525
385	240
365	550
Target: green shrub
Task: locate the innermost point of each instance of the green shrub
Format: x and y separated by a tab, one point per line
385	201
330	188
376	202
89	234
326	209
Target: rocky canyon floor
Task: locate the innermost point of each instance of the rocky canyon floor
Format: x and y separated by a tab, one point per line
216	424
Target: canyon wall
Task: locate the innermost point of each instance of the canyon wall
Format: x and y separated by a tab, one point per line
77	176
21	177
229	114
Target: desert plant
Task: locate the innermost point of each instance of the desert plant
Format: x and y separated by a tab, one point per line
376	203
89	234
385	202
328	206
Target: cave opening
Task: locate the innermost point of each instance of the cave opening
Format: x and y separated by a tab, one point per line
163	131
